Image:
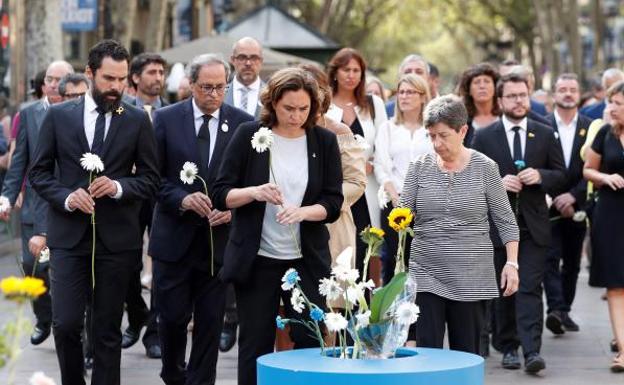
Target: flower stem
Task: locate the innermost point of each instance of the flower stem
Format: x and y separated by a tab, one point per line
92	240
400	262
15	351
369	251
210	230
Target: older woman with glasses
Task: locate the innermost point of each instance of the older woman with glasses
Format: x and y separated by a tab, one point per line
451	193
399	141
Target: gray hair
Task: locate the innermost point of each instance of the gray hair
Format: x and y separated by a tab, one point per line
192	70
73	78
411	58
448	109
611	76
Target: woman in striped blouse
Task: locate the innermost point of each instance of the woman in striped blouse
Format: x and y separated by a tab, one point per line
452	193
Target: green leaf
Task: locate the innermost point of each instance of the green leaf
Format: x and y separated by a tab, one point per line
383	298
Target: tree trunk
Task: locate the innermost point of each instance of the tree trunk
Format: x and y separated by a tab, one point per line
574	38
43	35
545	32
123	20
156	27
598	25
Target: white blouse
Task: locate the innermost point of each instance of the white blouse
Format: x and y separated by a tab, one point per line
395	148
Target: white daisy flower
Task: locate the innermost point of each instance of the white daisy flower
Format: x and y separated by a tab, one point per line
363	319
91	162
44	256
353	294
345	274
296	300
330	289
262	139
188	173
361	141
335	322
5	205
407	313
383	197
579	216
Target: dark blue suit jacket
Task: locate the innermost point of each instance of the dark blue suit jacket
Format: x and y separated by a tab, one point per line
129	157
173	230
594	111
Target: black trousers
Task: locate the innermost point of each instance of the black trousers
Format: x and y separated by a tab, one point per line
42	306
563	264
138	311
71	287
464	321
258	303
185	289
361	219
231	315
519	319
390	246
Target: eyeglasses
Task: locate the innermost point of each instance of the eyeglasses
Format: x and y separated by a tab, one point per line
243	58
74	95
208	88
521	96
407	93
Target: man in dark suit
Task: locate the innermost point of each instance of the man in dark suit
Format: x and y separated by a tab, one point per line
185	263
519	318
34	209
244	93
121	135
147	76
568	232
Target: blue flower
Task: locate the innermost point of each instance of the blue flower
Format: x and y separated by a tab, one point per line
317	314
520	165
280	322
290	279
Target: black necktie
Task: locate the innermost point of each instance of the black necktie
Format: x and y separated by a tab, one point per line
517	147
98	136
203	141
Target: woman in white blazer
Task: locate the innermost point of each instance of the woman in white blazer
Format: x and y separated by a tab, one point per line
364	114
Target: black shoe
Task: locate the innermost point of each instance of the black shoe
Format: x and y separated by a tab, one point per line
228	338
554	322
88	363
39	335
511	360
534	363
153	351
613	345
129	338
568	324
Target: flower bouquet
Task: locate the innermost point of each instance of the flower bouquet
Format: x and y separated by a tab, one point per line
377	329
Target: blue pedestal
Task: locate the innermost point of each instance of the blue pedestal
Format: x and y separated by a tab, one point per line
416	366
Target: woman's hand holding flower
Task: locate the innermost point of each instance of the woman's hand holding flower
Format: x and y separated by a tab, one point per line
290	215
268	192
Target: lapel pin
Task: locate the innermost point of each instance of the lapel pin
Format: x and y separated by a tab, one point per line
582	132
225	127
119	110
531	135
556	135
314	154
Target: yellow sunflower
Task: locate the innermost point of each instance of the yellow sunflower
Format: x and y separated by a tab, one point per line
400	218
22	288
377	231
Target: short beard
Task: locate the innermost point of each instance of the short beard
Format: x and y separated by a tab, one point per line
513	116
103	103
566	106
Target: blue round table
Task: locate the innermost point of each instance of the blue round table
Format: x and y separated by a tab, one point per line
414	366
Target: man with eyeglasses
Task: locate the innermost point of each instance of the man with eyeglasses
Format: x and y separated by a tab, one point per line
244	93
34	208
244	89
188	236
531	164
73	86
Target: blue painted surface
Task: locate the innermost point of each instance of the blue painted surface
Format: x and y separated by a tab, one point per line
425	366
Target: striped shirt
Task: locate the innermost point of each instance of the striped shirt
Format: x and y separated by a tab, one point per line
451	253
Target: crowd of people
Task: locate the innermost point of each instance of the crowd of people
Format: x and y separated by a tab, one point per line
503	189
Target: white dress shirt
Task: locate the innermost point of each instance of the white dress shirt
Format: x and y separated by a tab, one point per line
510	134
566	134
395	148
90	116
213	128
252	95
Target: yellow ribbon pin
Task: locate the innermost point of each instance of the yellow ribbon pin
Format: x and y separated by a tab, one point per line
119	110
531	135
582	132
